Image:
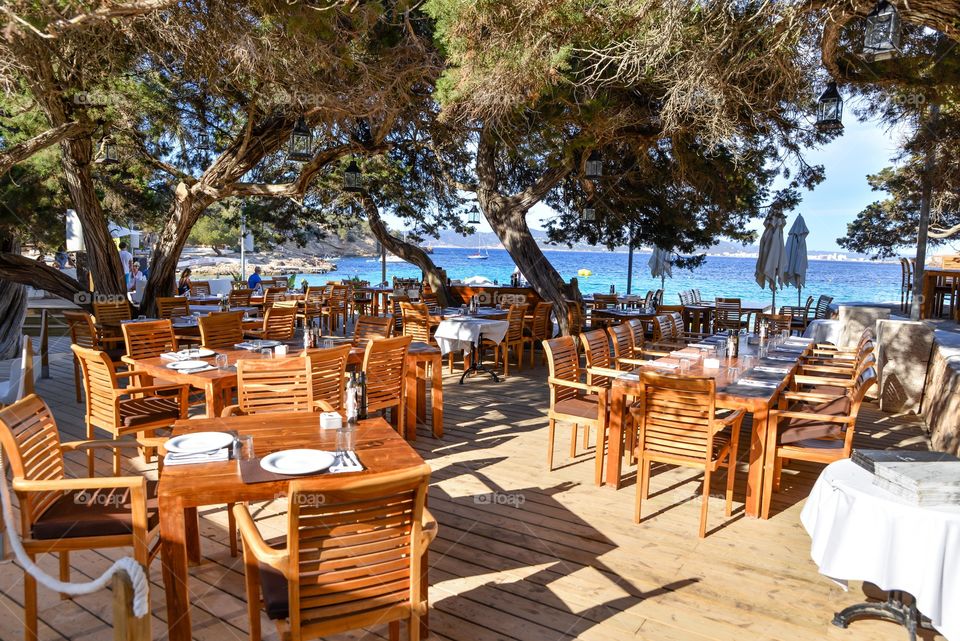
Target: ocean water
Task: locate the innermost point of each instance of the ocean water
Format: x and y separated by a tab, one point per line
718	276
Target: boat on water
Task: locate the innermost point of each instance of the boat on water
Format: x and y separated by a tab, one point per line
478	256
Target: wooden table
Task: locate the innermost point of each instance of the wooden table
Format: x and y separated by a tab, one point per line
759	404
930	277
184	488
381	297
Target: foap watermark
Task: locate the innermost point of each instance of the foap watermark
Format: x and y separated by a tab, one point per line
303	499
500	498
94	98
100	498
88	298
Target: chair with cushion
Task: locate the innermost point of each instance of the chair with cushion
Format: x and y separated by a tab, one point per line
679	425
279	322
171	307
573	401
124	410
815	427
353	556
272	385
199	288
221	330
370	327
56	513
84	333
385	365
328	377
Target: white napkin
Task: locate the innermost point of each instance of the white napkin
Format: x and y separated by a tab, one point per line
772	370
194	370
704	345
246	345
348	463
661	365
223	454
629	376
750	382
686	355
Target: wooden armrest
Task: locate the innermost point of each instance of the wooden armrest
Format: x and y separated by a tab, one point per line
131	372
21	484
324	406
580	386
636	362
604	371
254	544
152	390
829	369
720	424
822	380
430	527
776	415
809	396
231	410
95	444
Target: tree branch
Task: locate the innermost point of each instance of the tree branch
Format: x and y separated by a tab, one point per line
22	151
299	187
20	269
57	28
940	232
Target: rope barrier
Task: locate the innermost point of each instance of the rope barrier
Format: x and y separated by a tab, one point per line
138	577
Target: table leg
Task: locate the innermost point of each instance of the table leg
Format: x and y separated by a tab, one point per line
422	392
615	446
214	400
410	419
191	524
175	577
436	395
929	286
757	462
769	468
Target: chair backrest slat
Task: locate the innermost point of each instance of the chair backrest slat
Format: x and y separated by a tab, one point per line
371	327
172	306
416	321
274	385
563	362
327	374
384	363
149	339
677	414
221	330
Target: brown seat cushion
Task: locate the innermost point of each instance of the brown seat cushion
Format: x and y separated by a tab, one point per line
141	411
93	512
794	430
276	595
582	407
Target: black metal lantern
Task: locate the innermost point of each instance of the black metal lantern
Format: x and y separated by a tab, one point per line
204	141
301	142
882	35
594	167
589	214
352	178
830	108
474	218
108	152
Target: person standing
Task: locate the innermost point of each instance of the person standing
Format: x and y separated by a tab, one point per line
125	258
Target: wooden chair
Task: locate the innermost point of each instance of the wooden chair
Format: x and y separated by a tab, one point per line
539	328
575	322
602	301
20	382
368	328
221	330
328	377
279	323
310	310
111	312
822	309
173	306
337	309
148	339
800	315
385	364
124	410
514	338
629	345
56	513
776	323
417	321
272	295
816	427
600	365
240	297
572	401
351	560
728	315
199	288
272	385
84	333
678	425
395	300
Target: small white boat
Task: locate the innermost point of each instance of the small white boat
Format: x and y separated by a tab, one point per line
478	256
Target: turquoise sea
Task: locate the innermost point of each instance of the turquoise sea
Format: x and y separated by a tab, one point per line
718	276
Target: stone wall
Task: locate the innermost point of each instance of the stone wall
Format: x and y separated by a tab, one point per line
941	398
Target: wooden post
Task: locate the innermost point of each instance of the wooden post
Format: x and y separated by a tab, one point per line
44	351
126	626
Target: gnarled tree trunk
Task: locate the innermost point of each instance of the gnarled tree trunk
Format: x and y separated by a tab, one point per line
13	305
407	251
507	216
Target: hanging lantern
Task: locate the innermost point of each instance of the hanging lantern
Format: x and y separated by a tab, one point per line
301	142
589	214
830	108
882	36
594	167
108	151
352	178
474	218
204	141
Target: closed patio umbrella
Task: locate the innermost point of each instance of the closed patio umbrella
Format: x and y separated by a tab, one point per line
771	259
661	264
795	271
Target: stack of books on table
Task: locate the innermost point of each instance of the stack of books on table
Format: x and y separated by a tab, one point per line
924	478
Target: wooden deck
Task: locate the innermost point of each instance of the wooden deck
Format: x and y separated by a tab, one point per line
530	555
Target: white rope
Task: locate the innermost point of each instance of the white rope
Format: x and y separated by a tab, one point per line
141	595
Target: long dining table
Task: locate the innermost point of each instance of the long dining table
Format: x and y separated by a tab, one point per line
184	488
733	392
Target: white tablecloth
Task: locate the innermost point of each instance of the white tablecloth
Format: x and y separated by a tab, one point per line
862	532
462	333
823	331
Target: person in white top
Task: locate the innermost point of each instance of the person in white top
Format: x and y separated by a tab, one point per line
125	258
134	276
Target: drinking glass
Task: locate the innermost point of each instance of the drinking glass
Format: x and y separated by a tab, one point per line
245	447
684	365
721	350
733	374
142	317
222	362
346	439
266	352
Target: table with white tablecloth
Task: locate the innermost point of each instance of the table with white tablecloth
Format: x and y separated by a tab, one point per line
823	331
862	532
463	333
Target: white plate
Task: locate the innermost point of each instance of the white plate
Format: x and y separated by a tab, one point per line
197	352
297	461
198	442
187	365
260	344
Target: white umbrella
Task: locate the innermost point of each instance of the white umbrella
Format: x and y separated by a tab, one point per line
795	272
661	264
771	259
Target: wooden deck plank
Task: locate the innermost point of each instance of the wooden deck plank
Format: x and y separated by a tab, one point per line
554	558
